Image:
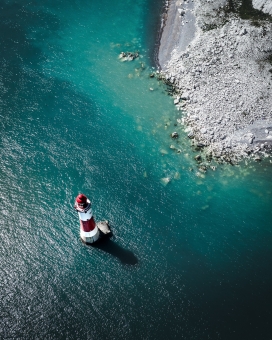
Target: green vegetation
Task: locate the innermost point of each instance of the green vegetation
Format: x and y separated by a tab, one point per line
208	27
243	9
246	11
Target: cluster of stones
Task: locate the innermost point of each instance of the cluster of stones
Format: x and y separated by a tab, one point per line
128	56
224	79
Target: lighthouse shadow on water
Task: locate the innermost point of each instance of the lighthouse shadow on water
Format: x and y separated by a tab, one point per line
125	256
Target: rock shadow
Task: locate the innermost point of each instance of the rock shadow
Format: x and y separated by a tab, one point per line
124	255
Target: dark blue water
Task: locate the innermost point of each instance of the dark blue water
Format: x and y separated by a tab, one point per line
190	259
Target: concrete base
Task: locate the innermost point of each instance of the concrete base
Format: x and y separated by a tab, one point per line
104	232
89	239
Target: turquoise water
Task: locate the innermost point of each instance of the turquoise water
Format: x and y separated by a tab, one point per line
190	259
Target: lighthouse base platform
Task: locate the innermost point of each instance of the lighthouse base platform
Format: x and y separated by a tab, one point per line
104	232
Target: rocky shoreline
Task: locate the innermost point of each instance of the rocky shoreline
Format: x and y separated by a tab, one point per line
221	66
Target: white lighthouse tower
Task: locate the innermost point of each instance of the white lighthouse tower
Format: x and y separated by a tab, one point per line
90	232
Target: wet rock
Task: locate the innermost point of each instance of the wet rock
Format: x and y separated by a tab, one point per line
198	158
174	135
122	55
128	56
191	134
176	101
202	168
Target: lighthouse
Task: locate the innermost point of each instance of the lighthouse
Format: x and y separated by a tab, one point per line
90	231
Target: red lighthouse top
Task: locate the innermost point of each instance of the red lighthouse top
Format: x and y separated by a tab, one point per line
81	199
81	202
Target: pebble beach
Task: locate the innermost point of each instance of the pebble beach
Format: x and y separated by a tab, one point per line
220	62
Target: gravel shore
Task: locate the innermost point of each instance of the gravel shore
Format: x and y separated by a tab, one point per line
222	68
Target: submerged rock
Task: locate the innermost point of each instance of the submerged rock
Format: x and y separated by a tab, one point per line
165	180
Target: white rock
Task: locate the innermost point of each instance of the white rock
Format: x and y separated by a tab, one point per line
181	11
176	101
185	96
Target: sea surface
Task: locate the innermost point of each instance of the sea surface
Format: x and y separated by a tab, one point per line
191	255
